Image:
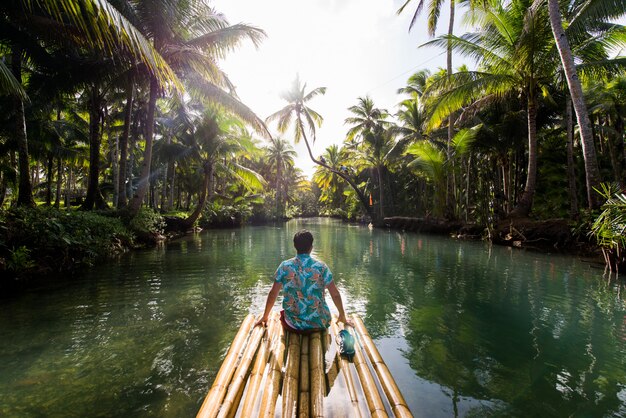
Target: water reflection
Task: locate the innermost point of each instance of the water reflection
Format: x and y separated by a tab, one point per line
467	329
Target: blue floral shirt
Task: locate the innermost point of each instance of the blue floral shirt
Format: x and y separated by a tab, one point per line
304	280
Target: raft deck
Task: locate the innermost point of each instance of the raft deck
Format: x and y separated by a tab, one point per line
268	373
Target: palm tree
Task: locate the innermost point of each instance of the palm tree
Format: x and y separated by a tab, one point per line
280	156
599	11
516	59
191	37
369	125
96	26
367	118
434	10
305	119
214	148
432	163
330	183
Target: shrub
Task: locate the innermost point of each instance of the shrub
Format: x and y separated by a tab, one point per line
48	239
609	228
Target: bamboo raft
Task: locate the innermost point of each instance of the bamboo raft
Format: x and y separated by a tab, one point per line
268	373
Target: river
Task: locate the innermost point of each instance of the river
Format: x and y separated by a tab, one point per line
467	329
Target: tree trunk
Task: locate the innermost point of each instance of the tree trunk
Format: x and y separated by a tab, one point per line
523	207
205	194
57	197
381	209
571	173
115	168
49	170
122	199
25	188
3	189
592	172
278	195
449	211
364	201
94	196
144	179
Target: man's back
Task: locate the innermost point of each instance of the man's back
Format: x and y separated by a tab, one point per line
304	280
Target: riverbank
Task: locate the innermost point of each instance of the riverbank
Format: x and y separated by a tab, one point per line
542	235
48	243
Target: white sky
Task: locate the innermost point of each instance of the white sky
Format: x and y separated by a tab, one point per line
351	47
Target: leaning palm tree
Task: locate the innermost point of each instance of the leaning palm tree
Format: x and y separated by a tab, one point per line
590	16
513	47
305	119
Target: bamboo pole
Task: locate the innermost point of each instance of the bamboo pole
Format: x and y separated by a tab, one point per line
316	373
374	401
333	369
304	400
235	390
213	400
270	395
258	370
398	404
292	373
344	366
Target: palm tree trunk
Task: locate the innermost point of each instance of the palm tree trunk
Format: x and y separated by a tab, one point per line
571	173
57	197
144	180
122	199
278	195
360	195
205	194
592	172
25	188
449	211
94	197
49	170
381	209
522	209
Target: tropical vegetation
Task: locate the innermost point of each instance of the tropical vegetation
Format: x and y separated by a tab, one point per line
119	109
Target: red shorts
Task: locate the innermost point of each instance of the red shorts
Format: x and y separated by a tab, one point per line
289	328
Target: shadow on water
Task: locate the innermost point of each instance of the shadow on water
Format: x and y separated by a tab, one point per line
466	329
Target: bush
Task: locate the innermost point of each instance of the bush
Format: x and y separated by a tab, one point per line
147	222
609	228
49	240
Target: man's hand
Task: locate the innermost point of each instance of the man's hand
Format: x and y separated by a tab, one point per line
262	321
346	321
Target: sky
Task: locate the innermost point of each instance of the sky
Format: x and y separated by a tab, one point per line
352	47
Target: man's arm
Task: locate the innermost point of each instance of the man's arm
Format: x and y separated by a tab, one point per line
269	304
336	297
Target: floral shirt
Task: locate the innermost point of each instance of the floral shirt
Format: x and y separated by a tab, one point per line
304	280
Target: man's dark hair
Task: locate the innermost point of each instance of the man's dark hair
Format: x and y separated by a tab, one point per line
303	241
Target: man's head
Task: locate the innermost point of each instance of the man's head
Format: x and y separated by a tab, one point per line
303	241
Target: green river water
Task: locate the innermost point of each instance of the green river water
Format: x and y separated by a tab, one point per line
467	329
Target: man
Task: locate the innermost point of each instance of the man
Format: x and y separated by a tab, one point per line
304	281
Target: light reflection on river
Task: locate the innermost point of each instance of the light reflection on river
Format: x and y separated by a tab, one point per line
466	329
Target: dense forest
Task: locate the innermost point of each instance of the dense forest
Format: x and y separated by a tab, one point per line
119	126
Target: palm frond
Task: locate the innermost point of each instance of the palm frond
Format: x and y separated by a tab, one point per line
9	84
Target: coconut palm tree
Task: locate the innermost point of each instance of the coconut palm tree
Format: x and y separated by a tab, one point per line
306	119
214	148
280	156
191	37
588	15
32	27
434	10
514	49
330	183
